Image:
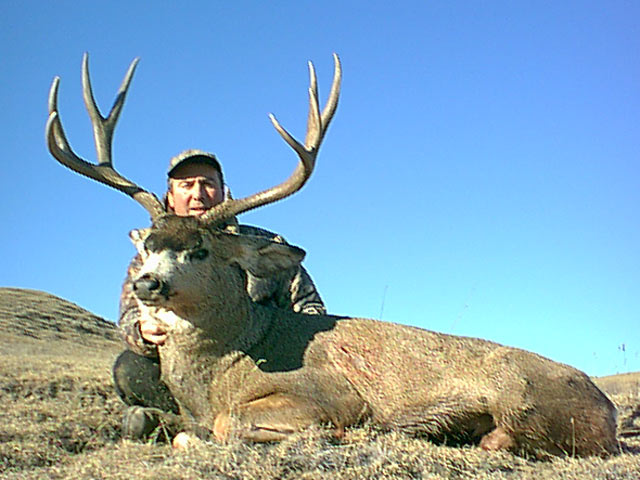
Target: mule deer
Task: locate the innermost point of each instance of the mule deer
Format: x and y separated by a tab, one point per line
243	369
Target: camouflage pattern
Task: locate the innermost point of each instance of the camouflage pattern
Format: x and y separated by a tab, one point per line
293	291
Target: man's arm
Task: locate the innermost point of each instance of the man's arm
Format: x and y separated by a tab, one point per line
304	296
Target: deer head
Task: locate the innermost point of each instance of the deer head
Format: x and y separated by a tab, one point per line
194	269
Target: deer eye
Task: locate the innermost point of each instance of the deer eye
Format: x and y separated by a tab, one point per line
199	254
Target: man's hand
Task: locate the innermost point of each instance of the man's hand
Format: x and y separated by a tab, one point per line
153	330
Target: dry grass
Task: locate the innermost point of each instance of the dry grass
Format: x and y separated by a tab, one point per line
624	383
61	420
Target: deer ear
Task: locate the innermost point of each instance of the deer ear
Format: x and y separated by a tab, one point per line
138	236
264	258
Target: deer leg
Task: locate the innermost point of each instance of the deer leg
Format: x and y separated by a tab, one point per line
268	419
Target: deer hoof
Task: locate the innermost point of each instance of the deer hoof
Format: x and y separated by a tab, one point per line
221	427
183	441
498	439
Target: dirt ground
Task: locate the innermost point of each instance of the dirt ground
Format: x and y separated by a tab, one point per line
61	419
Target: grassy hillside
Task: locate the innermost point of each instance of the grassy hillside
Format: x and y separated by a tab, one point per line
61	419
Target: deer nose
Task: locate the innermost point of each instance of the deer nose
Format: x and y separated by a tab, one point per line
147	286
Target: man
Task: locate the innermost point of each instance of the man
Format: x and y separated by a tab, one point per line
195	184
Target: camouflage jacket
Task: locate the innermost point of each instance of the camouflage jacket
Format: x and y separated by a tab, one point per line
289	291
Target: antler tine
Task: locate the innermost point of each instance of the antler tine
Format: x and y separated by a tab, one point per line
334	94
314	120
103	129
317	124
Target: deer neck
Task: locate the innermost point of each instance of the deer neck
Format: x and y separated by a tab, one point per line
198	350
187	368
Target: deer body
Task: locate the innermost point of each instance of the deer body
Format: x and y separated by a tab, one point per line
263	373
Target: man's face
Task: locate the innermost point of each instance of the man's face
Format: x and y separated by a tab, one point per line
194	189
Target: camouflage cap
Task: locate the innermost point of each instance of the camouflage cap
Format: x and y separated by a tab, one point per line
193	156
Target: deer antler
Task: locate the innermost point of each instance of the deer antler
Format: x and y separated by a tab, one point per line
317	125
103	129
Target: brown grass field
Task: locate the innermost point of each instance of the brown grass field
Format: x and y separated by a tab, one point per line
61	419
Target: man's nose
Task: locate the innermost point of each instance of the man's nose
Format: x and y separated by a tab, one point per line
198	191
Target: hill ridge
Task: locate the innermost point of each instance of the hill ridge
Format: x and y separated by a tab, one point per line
42	315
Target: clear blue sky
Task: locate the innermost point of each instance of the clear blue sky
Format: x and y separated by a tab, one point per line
481	177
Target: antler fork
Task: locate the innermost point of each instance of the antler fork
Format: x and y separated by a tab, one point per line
317	125
103	129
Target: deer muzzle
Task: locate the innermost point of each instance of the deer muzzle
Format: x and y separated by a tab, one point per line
150	288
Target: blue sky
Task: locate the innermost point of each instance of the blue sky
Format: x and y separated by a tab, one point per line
481	176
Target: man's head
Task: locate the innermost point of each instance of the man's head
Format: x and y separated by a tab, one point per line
195	183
